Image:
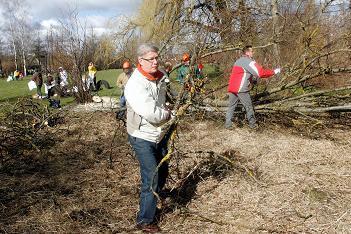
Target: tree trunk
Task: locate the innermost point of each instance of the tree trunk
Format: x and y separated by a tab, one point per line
275	32
24	58
13	44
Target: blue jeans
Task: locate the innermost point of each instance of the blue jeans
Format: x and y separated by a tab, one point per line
122	101
149	154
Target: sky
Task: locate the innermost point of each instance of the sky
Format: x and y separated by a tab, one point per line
95	12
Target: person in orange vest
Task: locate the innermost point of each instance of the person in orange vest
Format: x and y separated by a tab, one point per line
184	69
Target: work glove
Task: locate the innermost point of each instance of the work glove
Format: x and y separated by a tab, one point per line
277	70
173	114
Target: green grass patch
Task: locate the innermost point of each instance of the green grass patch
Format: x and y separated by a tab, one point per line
111	77
11	91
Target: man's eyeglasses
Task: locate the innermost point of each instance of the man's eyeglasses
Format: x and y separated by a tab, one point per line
151	59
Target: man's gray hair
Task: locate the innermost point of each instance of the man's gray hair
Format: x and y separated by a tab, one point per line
146	48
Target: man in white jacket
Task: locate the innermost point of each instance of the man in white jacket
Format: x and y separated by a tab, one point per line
145	93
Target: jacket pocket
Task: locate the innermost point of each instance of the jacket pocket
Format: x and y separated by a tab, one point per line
133	121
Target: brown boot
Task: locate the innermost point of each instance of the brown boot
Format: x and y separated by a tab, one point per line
148	228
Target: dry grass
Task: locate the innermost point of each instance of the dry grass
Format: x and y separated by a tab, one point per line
88	182
302	185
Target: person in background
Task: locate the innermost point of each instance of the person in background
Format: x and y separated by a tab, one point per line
1	71
63	77
145	93
91	76
245	69
38	79
168	68
199	71
50	84
20	76
121	82
184	69
16	74
171	94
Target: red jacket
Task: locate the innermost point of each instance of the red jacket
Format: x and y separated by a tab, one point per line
242	72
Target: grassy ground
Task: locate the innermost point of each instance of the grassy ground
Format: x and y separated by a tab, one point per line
14	89
11	91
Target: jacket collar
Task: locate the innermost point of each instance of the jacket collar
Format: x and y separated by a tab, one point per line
153	77
244	55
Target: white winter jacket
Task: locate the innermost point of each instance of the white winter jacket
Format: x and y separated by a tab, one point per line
146	106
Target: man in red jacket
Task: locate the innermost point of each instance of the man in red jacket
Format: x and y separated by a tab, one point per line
245	69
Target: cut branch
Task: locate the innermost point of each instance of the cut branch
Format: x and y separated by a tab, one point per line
303	79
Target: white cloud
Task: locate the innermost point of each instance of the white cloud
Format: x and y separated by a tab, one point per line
2	20
44	9
47	24
95	13
100	31
96	20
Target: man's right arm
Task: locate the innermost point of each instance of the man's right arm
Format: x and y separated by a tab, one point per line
258	71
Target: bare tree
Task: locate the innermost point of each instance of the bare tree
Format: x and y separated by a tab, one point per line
21	33
306	37
74	48
275	19
8	13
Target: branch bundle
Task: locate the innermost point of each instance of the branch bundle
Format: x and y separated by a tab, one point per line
23	127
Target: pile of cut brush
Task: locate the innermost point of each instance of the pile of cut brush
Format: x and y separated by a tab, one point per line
24	128
323	107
